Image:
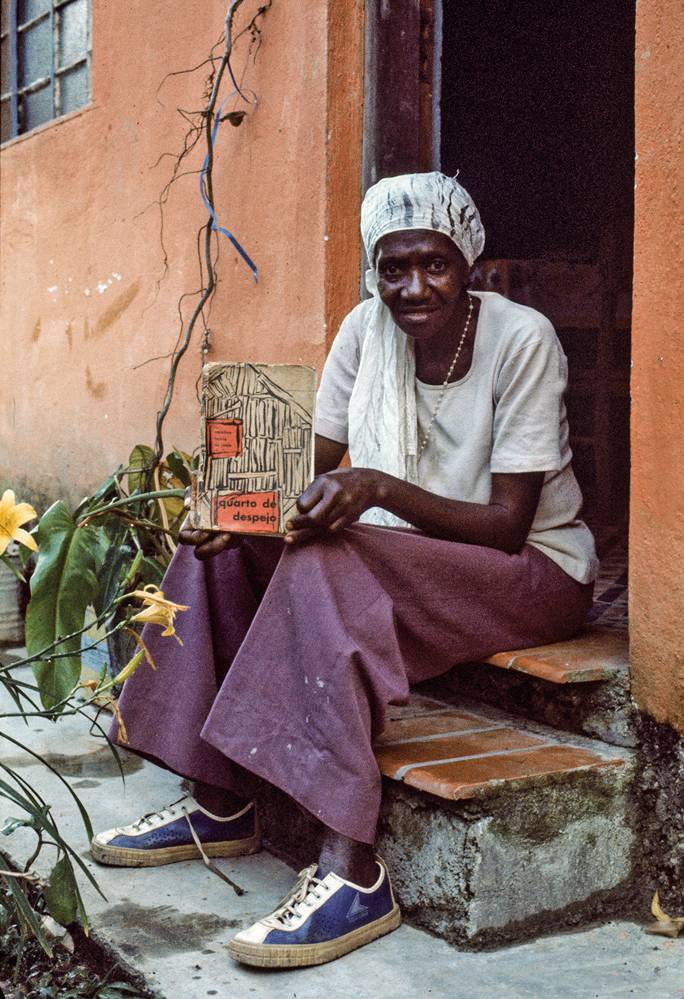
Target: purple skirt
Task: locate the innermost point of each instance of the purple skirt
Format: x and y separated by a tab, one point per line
291	655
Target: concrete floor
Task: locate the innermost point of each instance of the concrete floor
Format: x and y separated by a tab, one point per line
172	923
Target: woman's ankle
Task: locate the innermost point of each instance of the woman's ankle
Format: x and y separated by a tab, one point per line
217	800
349	859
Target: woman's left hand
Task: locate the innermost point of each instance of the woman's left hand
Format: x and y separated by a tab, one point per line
332	502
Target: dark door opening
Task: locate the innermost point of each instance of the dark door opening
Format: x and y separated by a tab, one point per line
537	116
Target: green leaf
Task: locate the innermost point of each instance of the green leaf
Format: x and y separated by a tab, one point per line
26	556
12	824
175	509
139	463
9	564
132	570
61	894
28	914
41	759
62	586
152	571
104	491
115	563
179	468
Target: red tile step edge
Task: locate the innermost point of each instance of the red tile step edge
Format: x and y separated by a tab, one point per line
459	754
595	654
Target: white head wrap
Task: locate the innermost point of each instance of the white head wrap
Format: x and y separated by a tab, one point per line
383	424
422	201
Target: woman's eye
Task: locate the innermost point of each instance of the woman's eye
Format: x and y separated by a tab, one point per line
389	270
437	266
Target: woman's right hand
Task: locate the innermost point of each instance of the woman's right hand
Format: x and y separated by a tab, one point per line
206	543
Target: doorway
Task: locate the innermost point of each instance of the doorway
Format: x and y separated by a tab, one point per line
537	117
533	105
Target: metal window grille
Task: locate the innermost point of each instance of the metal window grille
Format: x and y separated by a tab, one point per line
45	60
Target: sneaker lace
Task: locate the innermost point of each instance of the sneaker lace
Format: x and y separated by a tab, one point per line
151	818
210	864
307	890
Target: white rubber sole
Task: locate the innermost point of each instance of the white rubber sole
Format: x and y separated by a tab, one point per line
121	856
305	955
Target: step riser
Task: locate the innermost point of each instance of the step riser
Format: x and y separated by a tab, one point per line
477	873
600	710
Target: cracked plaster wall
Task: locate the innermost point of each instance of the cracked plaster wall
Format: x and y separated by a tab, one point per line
82	307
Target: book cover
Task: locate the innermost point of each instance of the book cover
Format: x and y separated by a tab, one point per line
257	441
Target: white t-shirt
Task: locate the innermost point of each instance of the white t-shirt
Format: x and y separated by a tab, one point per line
507	414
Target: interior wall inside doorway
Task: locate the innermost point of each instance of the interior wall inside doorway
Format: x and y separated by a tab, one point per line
537	111
538	115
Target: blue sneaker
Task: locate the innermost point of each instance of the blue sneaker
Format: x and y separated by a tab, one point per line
167	836
319	920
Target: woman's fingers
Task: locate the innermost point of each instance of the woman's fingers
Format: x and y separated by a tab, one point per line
311	495
190	536
207	543
304	527
217	544
332	502
301	536
319	503
321	515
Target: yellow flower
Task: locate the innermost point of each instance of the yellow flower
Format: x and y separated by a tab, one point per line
12	516
157	609
665	925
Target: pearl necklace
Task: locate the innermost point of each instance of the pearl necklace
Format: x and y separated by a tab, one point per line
435	411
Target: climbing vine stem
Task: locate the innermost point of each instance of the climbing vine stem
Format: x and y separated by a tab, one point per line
208	271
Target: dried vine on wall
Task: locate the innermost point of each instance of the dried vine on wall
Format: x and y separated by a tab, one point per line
203	126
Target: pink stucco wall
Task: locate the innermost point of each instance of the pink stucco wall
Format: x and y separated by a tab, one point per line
657	492
85	297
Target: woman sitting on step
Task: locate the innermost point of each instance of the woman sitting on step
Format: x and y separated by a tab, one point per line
454	535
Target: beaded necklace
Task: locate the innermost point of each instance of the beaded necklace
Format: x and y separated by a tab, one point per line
435	411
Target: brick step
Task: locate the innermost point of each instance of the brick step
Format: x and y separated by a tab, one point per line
494	829
596	653
456	753
577	686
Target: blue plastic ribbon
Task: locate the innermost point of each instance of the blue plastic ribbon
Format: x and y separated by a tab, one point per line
210	208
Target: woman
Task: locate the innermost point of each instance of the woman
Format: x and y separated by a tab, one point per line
451	406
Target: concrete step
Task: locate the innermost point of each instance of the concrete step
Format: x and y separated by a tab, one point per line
579	686
494	828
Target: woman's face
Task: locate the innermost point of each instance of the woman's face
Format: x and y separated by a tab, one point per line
421	275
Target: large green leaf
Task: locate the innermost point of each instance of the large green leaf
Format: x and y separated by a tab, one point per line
139	464
116	562
64	583
61	894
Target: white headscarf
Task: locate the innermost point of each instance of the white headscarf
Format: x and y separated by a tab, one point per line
383	423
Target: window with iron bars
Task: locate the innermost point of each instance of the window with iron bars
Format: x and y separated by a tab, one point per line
45	58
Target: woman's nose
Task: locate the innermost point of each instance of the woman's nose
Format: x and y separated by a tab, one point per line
415	286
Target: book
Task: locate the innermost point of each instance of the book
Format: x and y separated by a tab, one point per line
257	446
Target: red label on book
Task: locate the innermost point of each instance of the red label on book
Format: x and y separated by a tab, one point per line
258	513
224	438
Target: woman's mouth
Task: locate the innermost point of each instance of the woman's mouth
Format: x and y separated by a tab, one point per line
417	315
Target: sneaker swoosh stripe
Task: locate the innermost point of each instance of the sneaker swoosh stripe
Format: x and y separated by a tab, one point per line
402	771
